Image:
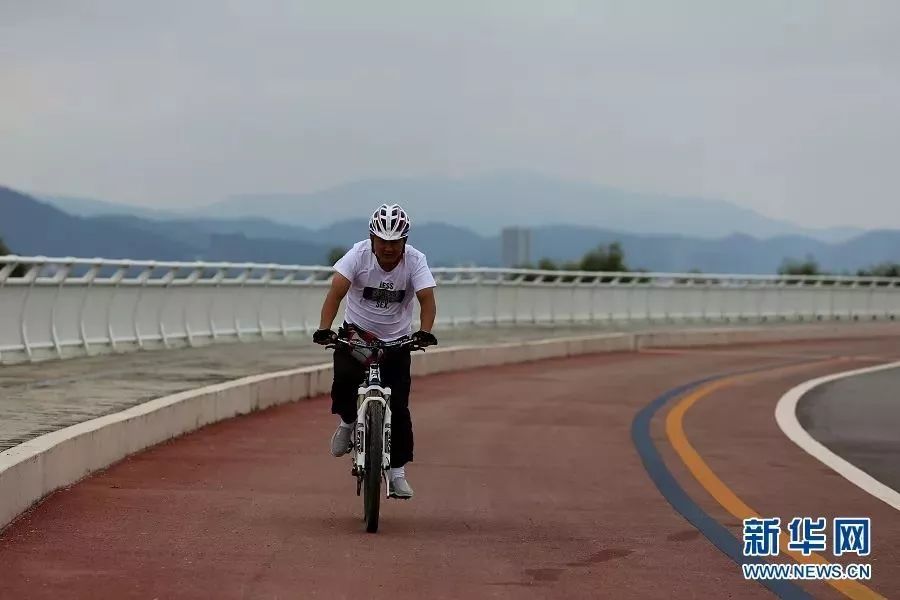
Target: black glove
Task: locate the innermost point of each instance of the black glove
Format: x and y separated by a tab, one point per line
324	336
424	338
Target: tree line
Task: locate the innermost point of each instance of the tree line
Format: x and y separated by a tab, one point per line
810	266
610	258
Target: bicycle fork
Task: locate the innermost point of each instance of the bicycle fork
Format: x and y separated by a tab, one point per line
359	440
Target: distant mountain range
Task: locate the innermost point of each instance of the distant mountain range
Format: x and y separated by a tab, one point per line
34	227
486	203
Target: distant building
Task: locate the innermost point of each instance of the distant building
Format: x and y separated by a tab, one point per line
516	246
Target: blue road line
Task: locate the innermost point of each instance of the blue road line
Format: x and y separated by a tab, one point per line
679	499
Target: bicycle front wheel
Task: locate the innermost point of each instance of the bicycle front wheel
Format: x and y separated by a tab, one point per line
372	480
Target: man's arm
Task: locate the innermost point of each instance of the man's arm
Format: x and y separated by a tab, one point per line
428	308
340	285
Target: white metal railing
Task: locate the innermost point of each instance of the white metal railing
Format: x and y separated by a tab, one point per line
57	307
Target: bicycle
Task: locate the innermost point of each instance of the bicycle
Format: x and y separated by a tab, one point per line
371	442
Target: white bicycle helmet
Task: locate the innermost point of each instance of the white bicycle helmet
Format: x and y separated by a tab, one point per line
390	222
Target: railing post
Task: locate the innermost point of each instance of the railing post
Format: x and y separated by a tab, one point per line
288	279
497	286
265	281
704	300
553	293
142	285
455	320
217	285
5	271
870	296
572	301
59	278
115	281
189	281
165	282
31	276
515	283
242	280
476	297
82	330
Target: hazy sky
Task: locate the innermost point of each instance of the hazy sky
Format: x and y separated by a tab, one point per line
791	108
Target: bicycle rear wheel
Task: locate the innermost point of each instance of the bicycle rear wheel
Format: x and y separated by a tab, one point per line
372	480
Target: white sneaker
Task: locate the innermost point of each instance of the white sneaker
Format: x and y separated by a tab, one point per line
399	488
341	441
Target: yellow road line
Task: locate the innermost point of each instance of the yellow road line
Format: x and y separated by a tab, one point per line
765	354
724	495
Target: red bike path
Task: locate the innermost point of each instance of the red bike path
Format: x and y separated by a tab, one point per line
528	481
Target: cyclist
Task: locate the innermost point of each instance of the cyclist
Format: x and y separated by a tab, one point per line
379	276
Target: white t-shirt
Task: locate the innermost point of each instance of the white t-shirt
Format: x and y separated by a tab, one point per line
379	301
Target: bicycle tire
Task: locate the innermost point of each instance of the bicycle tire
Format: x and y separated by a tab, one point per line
372	480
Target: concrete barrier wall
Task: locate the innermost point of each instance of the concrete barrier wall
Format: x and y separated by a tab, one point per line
732	335
33	469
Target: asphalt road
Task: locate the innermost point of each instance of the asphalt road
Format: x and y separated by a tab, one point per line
858	418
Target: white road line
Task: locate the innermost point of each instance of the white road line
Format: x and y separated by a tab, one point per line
786	415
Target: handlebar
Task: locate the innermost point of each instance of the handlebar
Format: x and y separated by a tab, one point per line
402	344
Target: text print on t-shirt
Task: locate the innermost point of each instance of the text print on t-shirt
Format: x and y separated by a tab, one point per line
383	294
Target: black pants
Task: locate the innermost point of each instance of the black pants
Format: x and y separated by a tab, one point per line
349	373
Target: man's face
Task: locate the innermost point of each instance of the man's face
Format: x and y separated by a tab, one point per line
387	252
